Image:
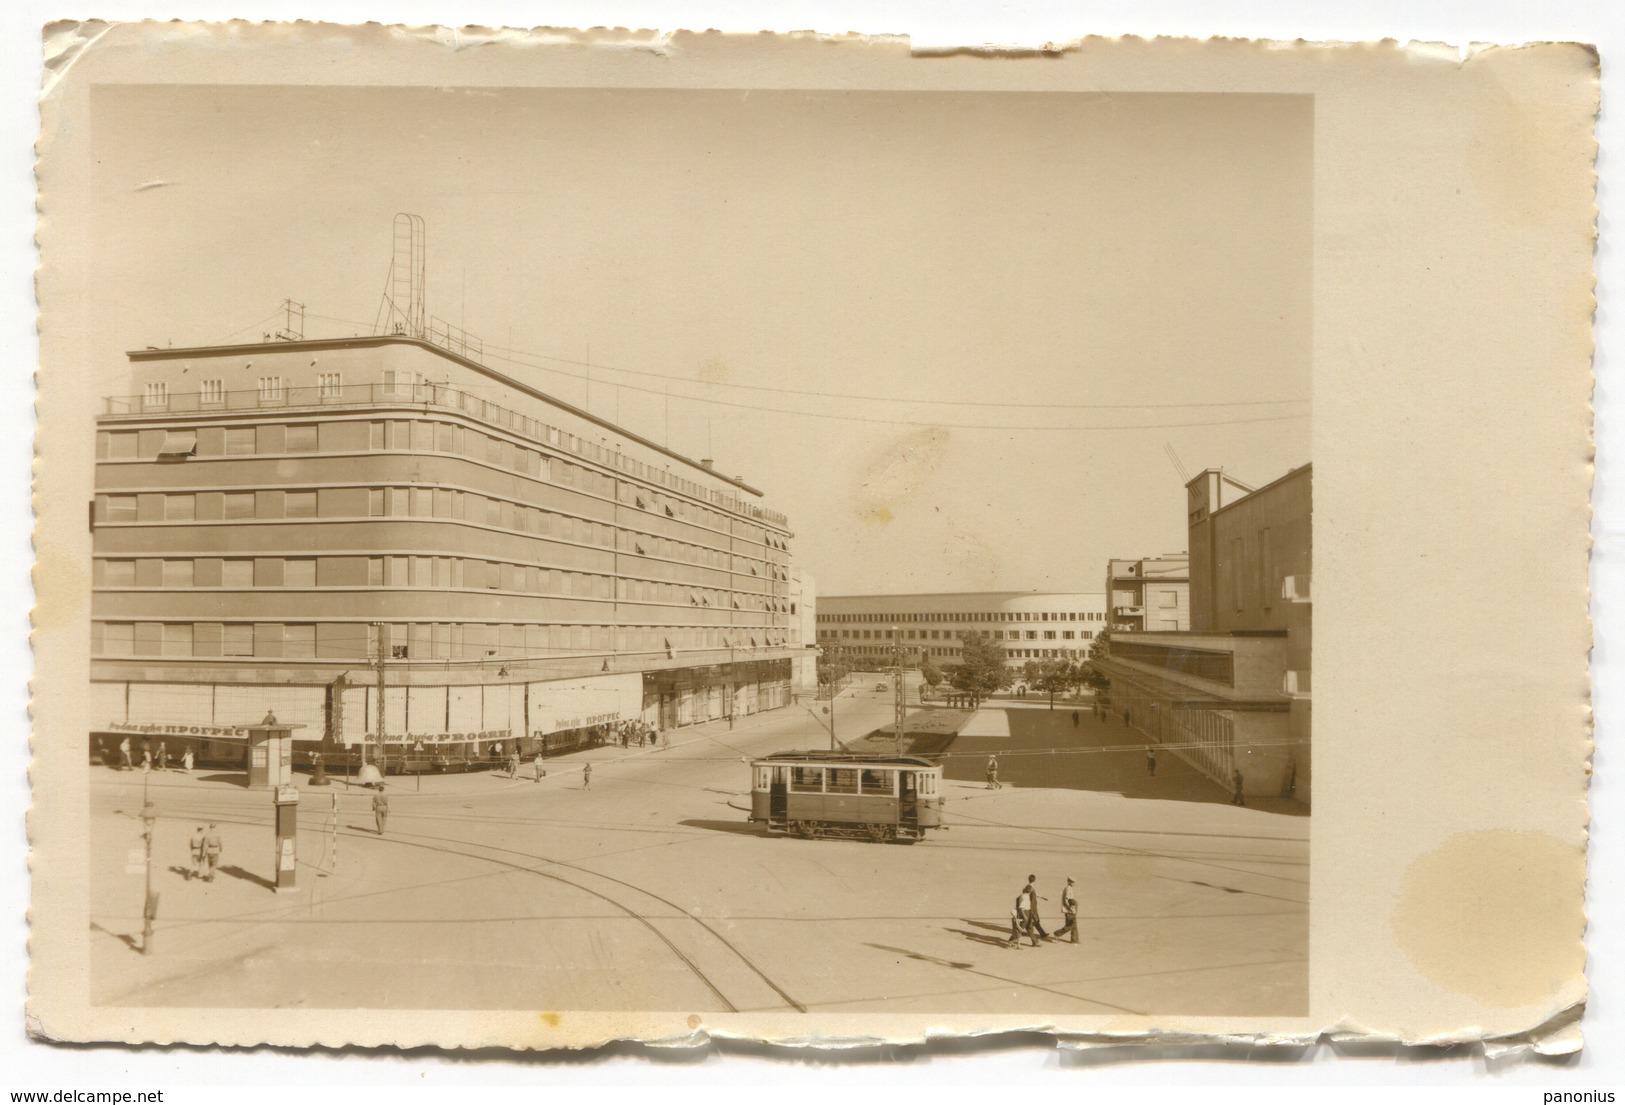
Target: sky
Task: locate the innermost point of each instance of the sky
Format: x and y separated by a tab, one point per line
953	336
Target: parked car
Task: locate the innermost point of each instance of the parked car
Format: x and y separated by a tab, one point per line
882	686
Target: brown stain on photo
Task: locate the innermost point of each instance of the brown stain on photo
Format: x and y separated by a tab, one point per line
1495	915
898	473
551	1019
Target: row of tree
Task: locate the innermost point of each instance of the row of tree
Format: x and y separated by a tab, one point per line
981	671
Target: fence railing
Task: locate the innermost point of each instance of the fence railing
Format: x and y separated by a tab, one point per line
432	395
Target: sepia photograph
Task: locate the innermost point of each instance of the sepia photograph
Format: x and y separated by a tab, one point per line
617	543
718	551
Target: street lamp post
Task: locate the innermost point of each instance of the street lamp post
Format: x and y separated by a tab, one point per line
149	819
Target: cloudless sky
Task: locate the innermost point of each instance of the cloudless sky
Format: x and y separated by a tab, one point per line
878	269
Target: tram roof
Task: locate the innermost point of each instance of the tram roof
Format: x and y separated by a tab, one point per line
827	757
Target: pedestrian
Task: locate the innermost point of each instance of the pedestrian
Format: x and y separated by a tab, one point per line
993	773
665	741
1021	920
1033	898
586	776
1075	719
1069	907
146	759
513	763
537	766
186	760
380	810
211	852
163	756
1151	760
196	870
124	750
1237	799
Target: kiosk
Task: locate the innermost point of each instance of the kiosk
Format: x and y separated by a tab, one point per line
270	754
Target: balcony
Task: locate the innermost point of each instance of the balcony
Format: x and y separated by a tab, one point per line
1129	611
441	396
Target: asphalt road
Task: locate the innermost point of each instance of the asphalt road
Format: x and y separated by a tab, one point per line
649	890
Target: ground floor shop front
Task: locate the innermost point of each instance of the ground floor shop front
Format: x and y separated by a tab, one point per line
426	727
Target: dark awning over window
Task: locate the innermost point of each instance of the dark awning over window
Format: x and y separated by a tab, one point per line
178	444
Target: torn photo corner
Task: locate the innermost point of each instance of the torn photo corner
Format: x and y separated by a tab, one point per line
668	536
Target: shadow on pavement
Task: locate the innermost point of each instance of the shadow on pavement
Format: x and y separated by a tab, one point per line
741	828
980	937
1047	749
247	876
127	939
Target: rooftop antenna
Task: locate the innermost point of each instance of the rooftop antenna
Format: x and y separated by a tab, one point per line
401	310
293	328
1173	458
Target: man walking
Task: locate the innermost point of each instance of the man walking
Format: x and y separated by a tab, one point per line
1151	760
380	810
993	773
1033	898
537	765
586	776
1069	907
1021	920
211	852
163	756
197	855
124	750
1237	799
1075	719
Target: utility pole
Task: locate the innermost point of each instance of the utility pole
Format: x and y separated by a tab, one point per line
897	682
378	761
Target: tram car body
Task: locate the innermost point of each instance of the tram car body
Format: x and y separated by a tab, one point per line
878	798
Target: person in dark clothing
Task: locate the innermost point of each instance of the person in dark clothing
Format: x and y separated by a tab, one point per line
1237	799
1151	760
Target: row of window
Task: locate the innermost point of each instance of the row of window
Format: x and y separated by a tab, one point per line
1009	653
993	616
949	634
442	572
410	641
447	504
420	436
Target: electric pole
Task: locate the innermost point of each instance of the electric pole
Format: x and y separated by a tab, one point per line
378	760
897	681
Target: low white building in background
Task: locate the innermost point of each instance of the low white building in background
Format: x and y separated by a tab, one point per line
1030	625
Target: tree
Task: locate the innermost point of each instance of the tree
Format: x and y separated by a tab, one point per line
981	670
1092	677
1057	675
833	666
1029	673
930	673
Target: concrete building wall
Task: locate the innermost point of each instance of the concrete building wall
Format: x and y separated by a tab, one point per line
1150	594
1029	625
275	514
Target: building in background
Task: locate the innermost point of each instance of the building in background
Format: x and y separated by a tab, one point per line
1150	593
803	632
274	523
1233	693
1030	625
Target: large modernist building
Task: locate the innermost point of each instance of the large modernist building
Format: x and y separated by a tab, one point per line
1153	592
1030	625
275	523
1233	693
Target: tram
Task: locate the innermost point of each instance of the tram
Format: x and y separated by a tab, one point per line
878	798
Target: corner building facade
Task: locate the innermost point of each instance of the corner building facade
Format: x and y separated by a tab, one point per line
270	520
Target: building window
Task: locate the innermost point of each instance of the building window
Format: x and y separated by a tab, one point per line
301	439
238	574
1067	634
299	641
237	640
1266	570
299	504
1049	634
239	441
272	390
178	573
121	508
177	640
330	384
118	639
212	392
235	505
299	573
157	395
180	508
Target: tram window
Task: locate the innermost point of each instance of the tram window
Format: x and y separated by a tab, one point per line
843	780
807	779
762	775
879	782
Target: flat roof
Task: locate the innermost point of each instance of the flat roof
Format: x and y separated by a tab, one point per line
241	348
965	594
